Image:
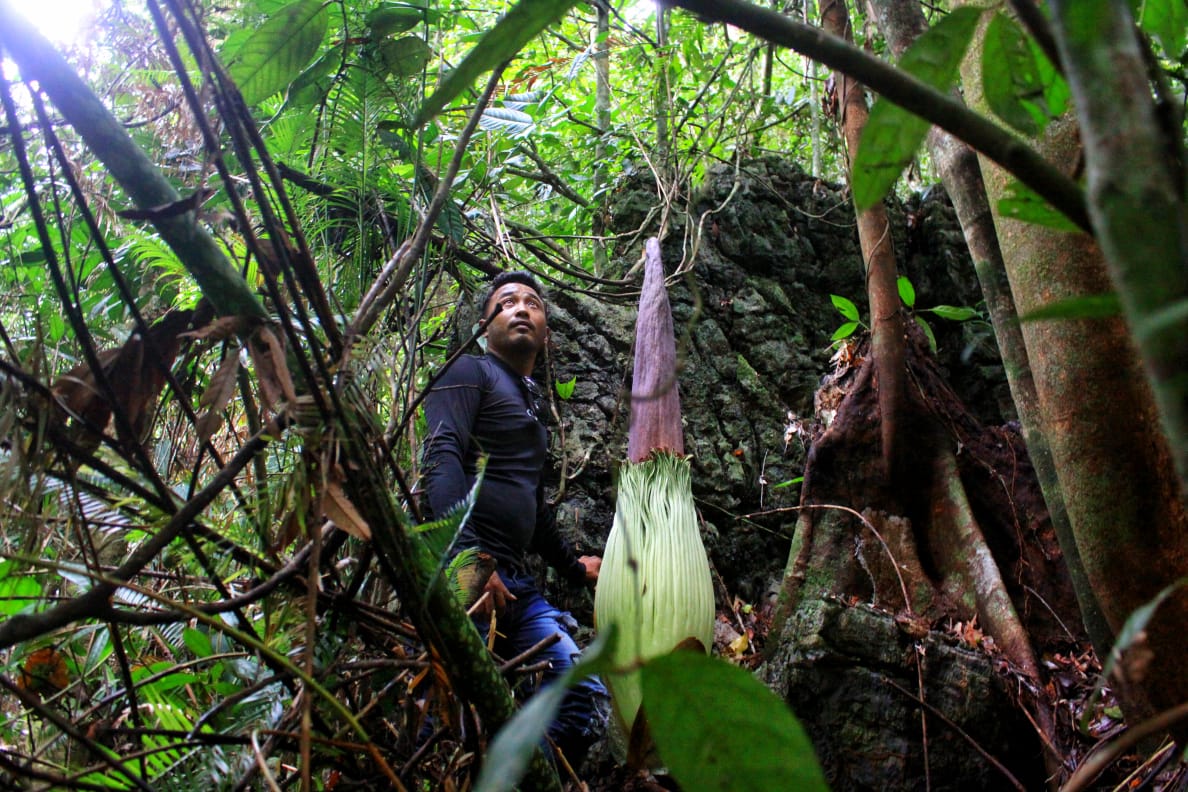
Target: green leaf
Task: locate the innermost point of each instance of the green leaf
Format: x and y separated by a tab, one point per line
565	389
452	222
1010	76
312	84
953	313
392	18
892	134
845	331
197	642
1024	204
17	591
510	34
907	292
1093	306
514	122
717	727
788	483
845	307
276	52
512	747
927	331
405	56
1167	21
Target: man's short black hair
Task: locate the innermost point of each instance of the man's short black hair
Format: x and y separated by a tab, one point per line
504	278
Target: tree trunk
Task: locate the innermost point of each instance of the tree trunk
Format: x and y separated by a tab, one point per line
1114	464
874	236
901	22
1136	197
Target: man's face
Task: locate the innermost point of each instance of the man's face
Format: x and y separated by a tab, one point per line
521	326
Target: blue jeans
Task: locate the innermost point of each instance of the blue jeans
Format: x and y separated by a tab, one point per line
525	622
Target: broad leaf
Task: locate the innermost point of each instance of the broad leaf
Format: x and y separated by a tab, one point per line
927	328
1022	203
892	134
1010	76
845	307
17	591
313	83
275	54
510	34
953	313
405	56
565	389
907	292
391	18
514	122
845	331
509	753
1167	21
717	727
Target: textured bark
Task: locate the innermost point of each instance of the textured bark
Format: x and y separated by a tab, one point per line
1136	196
874	236
901	22
1099	415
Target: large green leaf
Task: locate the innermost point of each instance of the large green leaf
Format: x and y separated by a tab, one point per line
275	54
1165	20
716	727
391	18
510	34
312	84
405	56
1010	76
1089	306
892	134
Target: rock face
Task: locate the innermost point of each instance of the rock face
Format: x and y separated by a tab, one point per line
852	680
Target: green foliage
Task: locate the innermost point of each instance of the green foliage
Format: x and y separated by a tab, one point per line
565	389
1166	21
277	51
892	134
525	20
1093	306
1021	86
1021	203
717	727
849	311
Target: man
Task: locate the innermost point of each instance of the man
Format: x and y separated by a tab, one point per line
491	406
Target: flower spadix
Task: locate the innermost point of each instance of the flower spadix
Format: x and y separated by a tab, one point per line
655	585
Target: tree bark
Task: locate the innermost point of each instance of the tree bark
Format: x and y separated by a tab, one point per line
1099	416
874	236
1136	196
901	22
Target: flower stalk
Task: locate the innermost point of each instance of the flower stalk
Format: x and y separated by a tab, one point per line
655	584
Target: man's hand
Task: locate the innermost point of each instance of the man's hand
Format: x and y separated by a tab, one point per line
494	597
592	565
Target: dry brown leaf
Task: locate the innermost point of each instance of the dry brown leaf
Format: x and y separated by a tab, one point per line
268	353
338	509
217	396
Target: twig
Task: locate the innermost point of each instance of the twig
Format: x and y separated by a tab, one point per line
529	653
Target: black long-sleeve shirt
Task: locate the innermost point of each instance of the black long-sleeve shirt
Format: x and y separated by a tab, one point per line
481	406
